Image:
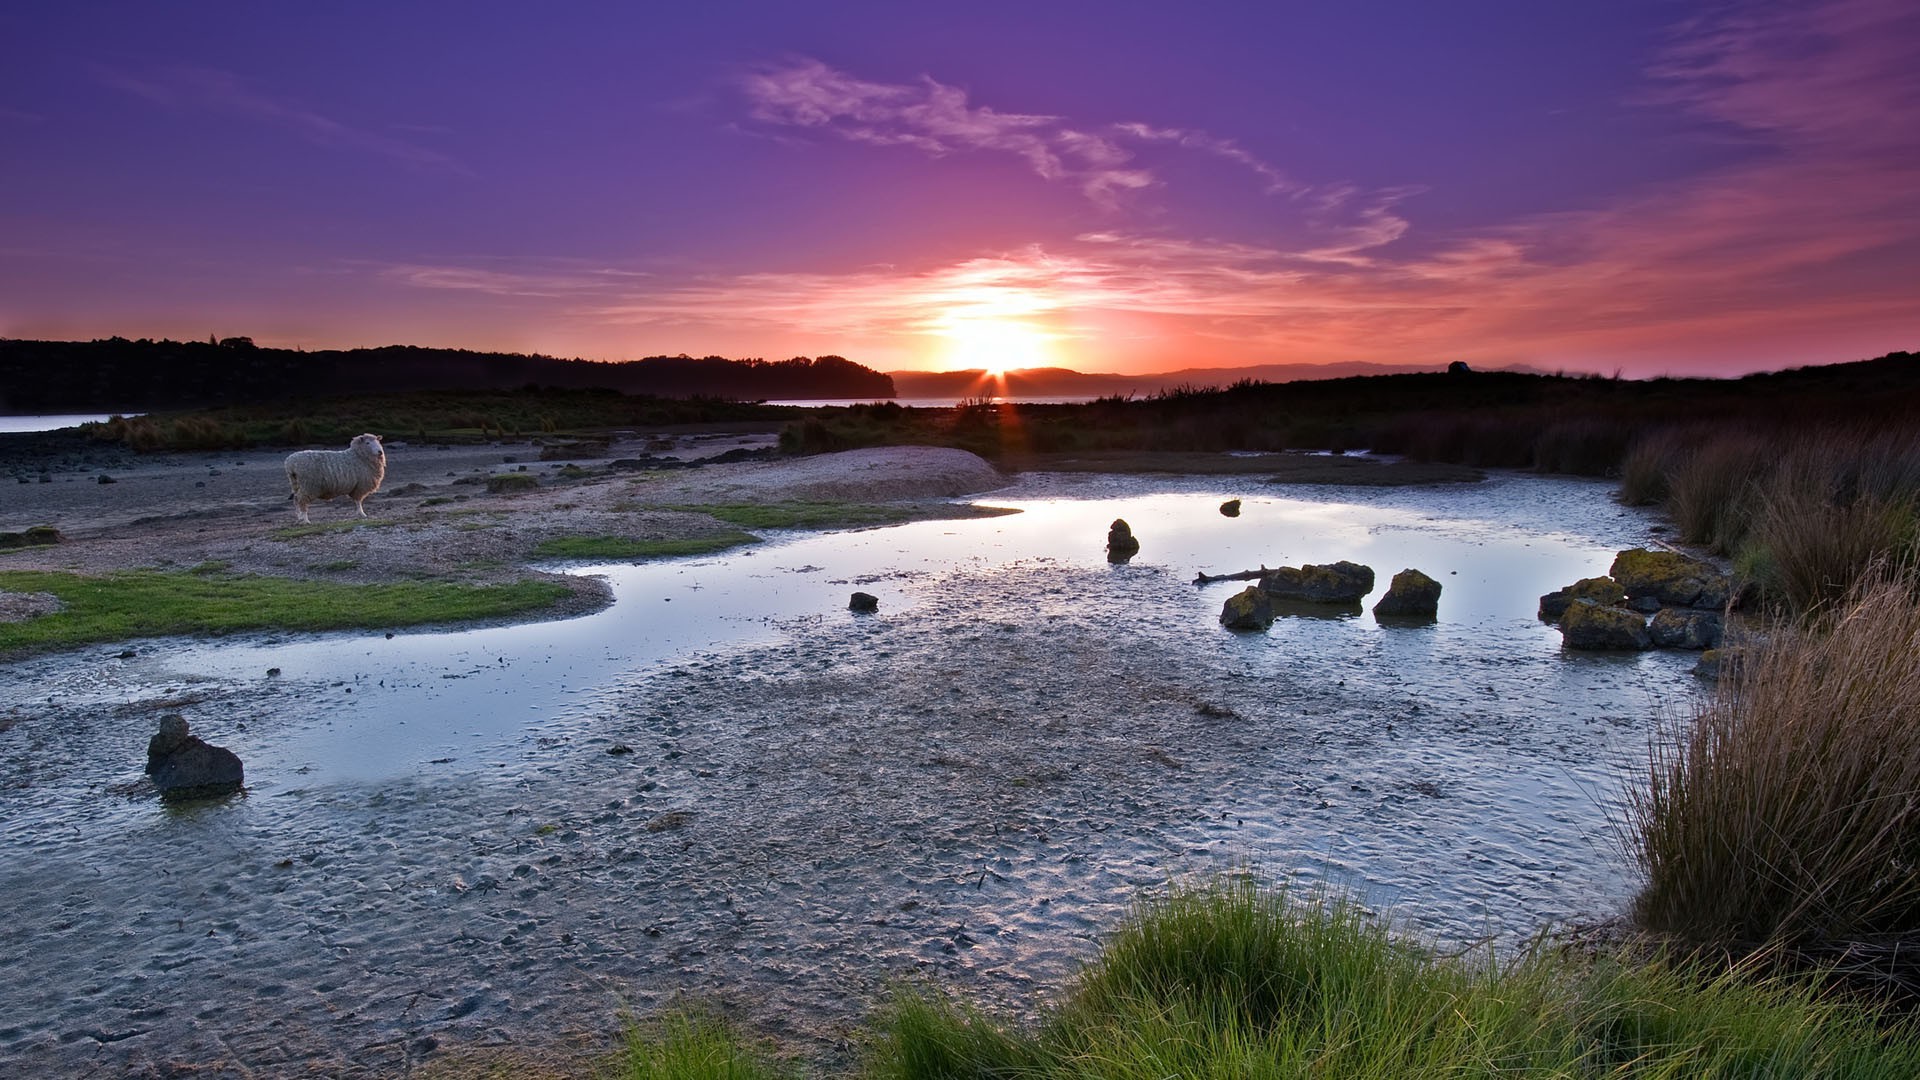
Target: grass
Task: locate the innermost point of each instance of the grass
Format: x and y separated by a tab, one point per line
141	603
624	547
1785	813
1238	979
1802	512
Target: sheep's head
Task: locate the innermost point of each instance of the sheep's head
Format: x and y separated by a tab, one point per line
367	446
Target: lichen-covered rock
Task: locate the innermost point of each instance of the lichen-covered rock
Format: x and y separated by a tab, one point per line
1411	594
1121	544
1669	579
865	603
1600	590
1587	625
1720	662
1249	609
184	767
1332	583
1680	628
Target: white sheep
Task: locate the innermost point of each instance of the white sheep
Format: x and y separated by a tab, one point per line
355	472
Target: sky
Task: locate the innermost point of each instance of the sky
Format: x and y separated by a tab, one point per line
1645	188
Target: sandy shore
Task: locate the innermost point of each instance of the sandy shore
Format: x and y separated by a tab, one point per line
436	517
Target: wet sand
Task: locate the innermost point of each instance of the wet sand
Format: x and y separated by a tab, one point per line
971	790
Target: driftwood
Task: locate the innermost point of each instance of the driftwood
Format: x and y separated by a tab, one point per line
1205	578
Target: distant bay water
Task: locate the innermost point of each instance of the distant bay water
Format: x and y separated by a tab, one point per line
945	402
47	422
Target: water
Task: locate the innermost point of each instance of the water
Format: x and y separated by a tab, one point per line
728	785
49	422
948	402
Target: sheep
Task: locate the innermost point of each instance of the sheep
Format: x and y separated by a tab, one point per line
355	472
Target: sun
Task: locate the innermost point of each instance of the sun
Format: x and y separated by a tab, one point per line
997	345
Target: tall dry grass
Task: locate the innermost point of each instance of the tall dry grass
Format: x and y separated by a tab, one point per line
1710	492
1786	812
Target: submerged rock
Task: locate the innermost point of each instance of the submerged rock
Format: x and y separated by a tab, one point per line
1333	583
1677	628
1411	594
1121	544
1249	609
1600	590
864	603
1670	579
184	767
1587	625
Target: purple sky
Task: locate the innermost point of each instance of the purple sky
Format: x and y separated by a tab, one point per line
1649	187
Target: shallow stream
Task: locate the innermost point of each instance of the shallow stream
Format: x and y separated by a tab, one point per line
728	786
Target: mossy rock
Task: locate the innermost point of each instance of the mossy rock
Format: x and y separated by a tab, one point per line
507	483
1342	582
1670	579
1249	609
1591	626
37	536
1411	595
1600	590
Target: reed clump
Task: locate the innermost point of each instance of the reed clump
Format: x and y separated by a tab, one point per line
1783	817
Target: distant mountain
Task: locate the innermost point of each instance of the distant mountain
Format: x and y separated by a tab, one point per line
1064	382
118	375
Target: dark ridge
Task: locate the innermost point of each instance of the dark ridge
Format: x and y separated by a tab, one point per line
118	375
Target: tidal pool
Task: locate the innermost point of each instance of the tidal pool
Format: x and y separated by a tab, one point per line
728	786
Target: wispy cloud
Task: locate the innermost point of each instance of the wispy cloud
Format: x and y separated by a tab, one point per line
938	119
185	88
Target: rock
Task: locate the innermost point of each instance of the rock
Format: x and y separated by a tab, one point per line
865	603
1587	625
1230	508
1678	628
1718	663
105	479
184	767
1249	609
1600	590
1459	367
34	536
1121	544
1670	579
1411	594
1334	583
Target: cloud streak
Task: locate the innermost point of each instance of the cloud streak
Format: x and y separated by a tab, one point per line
938	120
187	88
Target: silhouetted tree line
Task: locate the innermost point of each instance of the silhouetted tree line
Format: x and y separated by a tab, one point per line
118	375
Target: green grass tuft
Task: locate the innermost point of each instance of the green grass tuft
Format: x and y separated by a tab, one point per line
1241	980
697	1047
144	603
623	547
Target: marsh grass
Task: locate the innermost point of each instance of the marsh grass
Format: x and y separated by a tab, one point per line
1802	514
1240	980
625	547
698	1046
1784	814
143	603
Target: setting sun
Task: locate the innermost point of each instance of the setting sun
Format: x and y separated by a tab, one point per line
997	345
